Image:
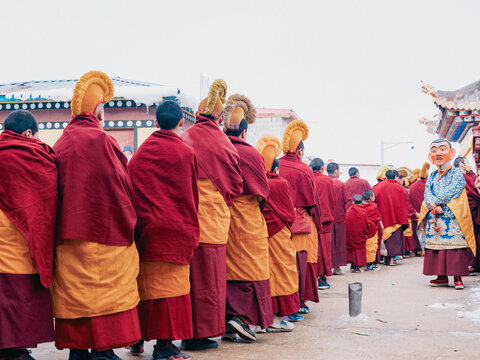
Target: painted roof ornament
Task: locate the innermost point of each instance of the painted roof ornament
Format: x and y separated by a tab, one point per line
428	89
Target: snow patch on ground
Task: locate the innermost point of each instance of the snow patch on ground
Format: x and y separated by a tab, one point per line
446	306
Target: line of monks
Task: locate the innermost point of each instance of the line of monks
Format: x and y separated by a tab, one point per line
200	235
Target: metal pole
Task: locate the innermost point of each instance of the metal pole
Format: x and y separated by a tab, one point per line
355	299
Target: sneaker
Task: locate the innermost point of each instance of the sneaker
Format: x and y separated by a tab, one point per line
169	352
304	310
459	285
338	271
439	282
398	258
280	325
322	283
357	269
376	267
137	348
199	344
242	329
294	317
79	355
20	354
259	330
104	355
371	267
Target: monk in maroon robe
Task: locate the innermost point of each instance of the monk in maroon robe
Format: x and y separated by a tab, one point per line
28	210
219	183
474	204
327	197
164	178
416	191
94	290
339	235
391	201
357	225
375	221
355	185
248	286
300	177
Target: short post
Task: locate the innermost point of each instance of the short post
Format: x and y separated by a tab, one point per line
355	298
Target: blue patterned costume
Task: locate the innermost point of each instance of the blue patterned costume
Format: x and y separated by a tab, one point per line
441	192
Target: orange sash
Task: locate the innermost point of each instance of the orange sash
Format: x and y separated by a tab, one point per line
92	279
247	246
15	255
283	264
213	214
161	279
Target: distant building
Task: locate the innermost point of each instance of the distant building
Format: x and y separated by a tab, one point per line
129	116
458	119
271	122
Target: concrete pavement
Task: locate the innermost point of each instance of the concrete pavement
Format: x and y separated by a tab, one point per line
402	318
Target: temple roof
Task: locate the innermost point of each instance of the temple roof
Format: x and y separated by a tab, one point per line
141	92
465	98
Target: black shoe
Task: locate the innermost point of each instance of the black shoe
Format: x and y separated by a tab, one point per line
104	355
242	329
79	355
230	334
137	348
169	351
199	344
22	354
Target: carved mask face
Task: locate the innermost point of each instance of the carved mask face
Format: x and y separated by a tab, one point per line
441	153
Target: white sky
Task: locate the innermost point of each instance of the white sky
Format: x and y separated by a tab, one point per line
350	69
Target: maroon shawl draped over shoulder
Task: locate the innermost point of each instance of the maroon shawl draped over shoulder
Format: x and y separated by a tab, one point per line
278	211
253	169
357	225
417	190
327	197
300	177
165	196
340	200
374	218
95	189
473	198
391	203
29	195
353	186
217	158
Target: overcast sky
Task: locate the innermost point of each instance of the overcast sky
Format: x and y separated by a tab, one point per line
350	69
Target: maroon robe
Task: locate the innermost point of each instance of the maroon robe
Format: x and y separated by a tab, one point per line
94	185
250	300
416	192
327	198
164	178
357	224
474	204
28	197
278	210
339	235
218	160
355	186
374	218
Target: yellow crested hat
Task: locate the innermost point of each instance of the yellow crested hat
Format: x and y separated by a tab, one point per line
405	172
217	96
237	108
270	147
382	171
295	133
93	88
424	172
414	177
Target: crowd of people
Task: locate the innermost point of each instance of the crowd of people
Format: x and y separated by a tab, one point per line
199	235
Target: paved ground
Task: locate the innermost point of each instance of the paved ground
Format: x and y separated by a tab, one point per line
402	318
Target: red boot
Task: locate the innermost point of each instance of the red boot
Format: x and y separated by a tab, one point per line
458	282
441	280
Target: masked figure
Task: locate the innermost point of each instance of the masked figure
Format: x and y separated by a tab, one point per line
445	224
